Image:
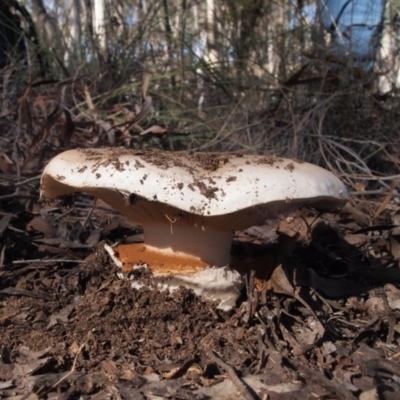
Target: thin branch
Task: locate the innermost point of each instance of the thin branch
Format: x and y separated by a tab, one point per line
241	386
70	372
47	261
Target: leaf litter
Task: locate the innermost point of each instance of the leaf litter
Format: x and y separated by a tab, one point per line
319	318
324	324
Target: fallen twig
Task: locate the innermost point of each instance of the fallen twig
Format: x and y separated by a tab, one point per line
18	262
332	385
5	317
245	392
28	180
70	372
22	292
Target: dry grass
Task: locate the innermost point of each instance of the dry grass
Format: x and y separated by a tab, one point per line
346	129
142	96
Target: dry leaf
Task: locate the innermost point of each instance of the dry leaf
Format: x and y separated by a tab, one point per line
394	247
280	283
109	130
155	129
42	225
309	333
68	130
5	164
371	394
39	101
292	227
62	316
4	222
393	296
109	367
88	98
359	187
375	306
170	374
74	348
356	239
384	203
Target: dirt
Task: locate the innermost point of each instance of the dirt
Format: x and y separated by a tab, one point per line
189	161
211	162
325	325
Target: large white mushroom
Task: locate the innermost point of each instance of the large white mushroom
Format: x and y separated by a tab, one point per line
190	205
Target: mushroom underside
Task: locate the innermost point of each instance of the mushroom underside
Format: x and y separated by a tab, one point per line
150	211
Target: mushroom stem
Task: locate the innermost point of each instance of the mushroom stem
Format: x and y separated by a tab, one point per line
209	245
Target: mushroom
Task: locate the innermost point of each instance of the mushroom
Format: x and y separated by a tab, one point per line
190	205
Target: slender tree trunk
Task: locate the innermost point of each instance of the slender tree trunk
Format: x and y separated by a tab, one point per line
169	40
73	37
49	30
98	16
77	19
388	62
210	55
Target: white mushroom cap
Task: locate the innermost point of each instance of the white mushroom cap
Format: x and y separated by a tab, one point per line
190	204
229	192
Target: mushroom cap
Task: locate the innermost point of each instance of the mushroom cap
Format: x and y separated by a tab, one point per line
223	191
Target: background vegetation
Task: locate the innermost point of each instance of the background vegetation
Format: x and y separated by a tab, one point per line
246	75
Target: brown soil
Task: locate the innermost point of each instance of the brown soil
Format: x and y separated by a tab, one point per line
324	326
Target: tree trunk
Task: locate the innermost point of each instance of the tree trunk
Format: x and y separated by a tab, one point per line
99	12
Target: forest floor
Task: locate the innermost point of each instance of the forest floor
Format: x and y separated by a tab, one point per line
324	325
318	319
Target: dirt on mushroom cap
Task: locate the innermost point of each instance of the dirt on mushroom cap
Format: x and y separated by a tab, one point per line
193	188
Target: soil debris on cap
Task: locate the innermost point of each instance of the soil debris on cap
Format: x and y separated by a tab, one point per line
211	162
290	167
